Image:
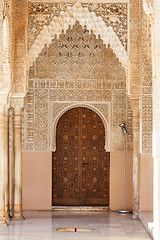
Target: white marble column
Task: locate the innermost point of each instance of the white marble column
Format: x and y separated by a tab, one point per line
6	159
18	163
2	165
136	157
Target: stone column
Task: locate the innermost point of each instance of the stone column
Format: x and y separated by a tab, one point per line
6	159
2	165
18	163
134	83
19	86
156	113
136	156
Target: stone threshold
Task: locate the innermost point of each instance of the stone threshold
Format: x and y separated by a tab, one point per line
146	219
81	208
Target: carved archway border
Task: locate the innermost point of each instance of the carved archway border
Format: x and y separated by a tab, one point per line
86	18
96	107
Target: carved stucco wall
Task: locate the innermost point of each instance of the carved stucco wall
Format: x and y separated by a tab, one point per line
77	69
146	98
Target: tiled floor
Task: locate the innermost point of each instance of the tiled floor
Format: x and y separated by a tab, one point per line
42	226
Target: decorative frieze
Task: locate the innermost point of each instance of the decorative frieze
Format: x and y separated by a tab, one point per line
76	84
80	95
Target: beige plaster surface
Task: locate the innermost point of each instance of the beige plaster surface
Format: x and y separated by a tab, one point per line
37	180
117	180
146	182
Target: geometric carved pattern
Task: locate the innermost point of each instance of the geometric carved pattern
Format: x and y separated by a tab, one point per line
146	84
121	113
80	95
80	163
113	14
147	123
129	126
41	116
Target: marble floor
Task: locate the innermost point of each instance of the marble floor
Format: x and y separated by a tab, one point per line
104	225
147	221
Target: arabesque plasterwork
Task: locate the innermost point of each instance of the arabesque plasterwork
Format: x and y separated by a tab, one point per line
77	68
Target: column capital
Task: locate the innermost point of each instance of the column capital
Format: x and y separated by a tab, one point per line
17	101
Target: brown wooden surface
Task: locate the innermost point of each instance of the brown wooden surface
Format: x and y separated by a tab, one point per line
80	164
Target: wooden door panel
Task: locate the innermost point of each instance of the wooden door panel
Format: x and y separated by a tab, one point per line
80	163
65	174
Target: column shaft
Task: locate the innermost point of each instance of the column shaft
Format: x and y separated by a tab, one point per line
18	163
2	167
136	156
6	160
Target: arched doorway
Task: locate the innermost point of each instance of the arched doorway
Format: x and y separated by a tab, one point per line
80	164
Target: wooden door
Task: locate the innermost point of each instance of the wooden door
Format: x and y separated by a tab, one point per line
80	164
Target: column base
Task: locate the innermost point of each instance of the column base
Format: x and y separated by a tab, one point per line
135	215
7	217
18	216
3	222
